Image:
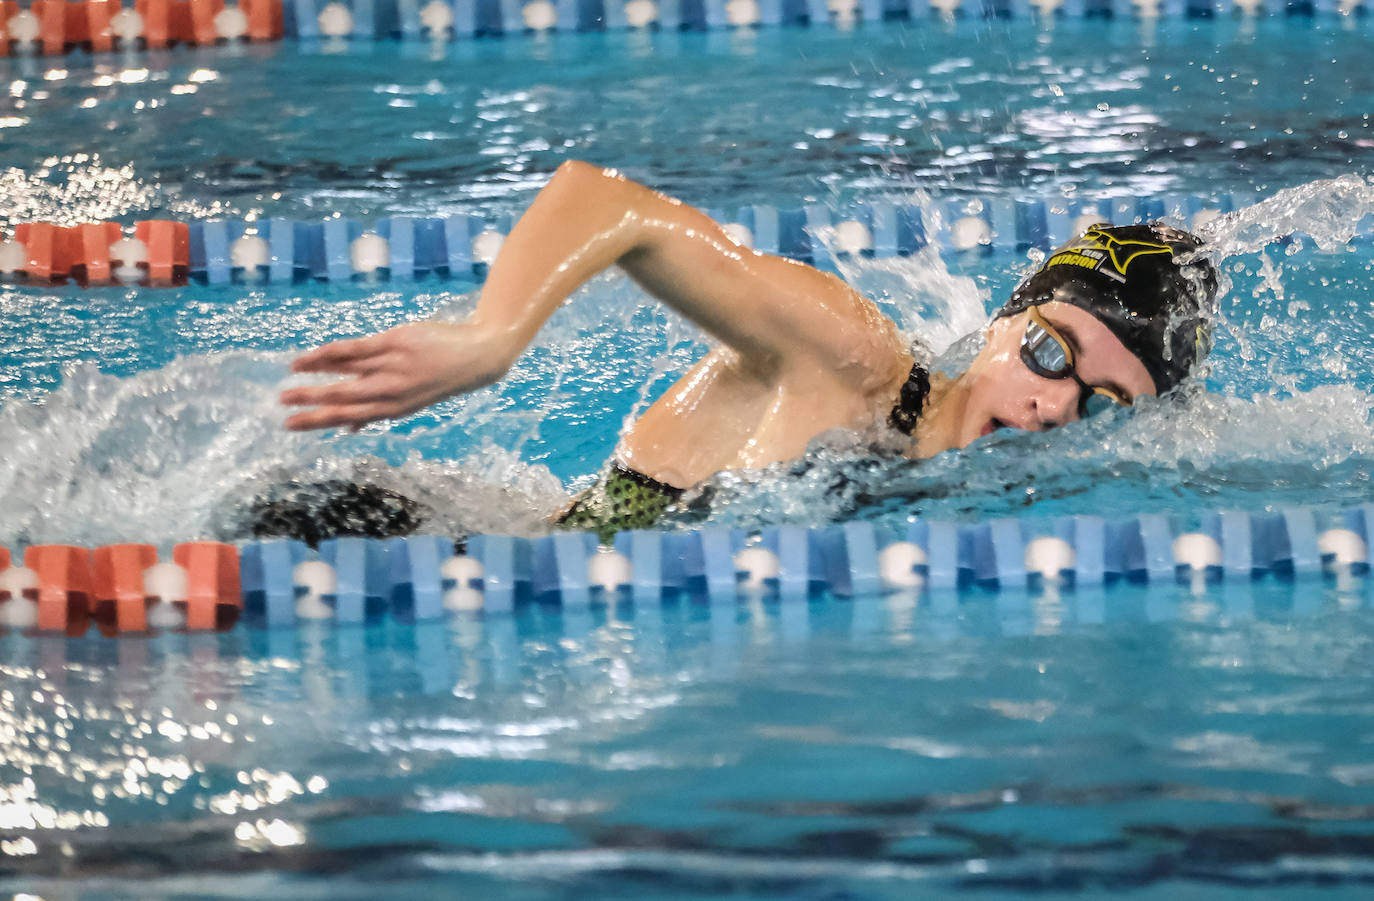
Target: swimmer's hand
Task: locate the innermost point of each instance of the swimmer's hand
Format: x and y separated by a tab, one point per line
394	373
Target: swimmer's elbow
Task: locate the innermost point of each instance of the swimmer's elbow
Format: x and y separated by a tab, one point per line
594	193
574	170
581	174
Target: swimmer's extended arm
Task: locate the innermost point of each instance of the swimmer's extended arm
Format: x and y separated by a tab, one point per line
775	313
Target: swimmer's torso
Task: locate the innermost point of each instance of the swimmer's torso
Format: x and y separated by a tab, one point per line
722	416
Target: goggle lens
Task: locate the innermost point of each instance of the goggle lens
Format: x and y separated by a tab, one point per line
1047	355
1044	354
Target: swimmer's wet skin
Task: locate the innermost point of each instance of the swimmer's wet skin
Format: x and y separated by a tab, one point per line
1117	313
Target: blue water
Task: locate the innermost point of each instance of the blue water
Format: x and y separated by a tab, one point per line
1146	740
721	119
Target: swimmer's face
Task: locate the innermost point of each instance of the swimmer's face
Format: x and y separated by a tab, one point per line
1003	393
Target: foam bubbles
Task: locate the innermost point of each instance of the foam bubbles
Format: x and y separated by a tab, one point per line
1181	454
174	452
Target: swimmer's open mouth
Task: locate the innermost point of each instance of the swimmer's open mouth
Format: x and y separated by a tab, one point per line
993	425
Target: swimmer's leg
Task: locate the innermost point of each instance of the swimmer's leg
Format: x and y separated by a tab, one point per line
315	511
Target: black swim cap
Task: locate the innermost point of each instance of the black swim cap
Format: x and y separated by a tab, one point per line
1129	278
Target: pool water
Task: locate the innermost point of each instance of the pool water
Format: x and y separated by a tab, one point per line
983	109
1144	739
1149	741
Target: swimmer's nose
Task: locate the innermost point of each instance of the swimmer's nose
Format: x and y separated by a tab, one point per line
1056	403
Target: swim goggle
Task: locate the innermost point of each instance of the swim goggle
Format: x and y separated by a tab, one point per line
1047	354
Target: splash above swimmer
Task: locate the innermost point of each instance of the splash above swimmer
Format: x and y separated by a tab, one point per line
1117	313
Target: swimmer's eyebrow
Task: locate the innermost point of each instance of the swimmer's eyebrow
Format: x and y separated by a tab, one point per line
1077	347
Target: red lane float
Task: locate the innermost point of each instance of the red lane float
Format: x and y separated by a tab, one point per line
93	18
52	17
213	596
264	19
119	601
64	24
48	247
179	22
110	584
83	252
91	251
202	24
169	250
64	586
53	253
156	15
7	9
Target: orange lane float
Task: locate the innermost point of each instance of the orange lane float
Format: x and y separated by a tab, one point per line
90	244
213	596
169	250
48	247
119	600
64	586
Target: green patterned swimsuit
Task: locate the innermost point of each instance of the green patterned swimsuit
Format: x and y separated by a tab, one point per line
621	499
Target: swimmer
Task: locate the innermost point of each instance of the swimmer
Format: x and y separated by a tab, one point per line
1110	317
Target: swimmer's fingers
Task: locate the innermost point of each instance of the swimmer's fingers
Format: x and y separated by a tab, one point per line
393	374
353	403
349	391
351	415
342	356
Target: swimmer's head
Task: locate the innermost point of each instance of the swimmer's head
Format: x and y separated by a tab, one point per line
1143	283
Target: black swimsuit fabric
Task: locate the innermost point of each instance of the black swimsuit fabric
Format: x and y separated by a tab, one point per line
911	400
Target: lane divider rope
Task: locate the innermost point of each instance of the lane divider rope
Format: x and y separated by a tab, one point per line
212	586
402	248
53	27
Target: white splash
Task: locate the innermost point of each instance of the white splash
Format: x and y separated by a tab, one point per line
164	456
1329	211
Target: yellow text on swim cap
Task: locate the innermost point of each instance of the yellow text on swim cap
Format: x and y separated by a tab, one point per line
1074	259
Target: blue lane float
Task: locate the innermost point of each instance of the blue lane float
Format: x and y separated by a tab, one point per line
359	581
363	577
